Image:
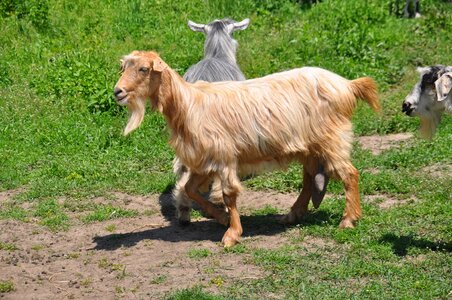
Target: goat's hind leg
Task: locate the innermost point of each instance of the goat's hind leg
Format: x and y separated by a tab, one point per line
350	177
320	183
300	207
192	190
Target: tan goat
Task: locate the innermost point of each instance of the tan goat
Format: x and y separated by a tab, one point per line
218	129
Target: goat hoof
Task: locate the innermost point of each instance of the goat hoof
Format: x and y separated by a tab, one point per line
223	219
183	216
184	222
346	223
230	238
289	219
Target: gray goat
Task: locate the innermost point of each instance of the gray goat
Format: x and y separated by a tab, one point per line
219	64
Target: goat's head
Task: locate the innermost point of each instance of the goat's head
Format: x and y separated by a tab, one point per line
219	35
427	99
140	81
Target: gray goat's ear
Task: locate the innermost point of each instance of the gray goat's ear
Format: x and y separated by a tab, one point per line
443	86
195	26
242	25
422	70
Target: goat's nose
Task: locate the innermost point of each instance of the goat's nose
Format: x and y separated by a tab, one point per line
117	91
120	93
406	108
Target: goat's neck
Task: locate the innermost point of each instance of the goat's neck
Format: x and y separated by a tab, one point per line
171	99
220	48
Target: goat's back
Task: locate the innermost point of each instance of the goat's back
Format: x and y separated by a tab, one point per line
212	70
280	114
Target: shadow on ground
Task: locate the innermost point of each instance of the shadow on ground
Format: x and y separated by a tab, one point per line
401	244
205	230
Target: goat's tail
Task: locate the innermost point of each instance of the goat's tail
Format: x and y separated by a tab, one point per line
365	88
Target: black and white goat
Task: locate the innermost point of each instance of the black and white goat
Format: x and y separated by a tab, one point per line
430	97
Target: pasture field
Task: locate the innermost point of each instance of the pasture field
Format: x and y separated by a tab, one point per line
86	212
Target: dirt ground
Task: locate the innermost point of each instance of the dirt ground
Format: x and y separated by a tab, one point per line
143	257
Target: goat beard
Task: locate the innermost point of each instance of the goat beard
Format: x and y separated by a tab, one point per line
137	109
430	124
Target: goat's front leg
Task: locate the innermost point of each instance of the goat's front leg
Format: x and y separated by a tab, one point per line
235	230
192	190
231	188
182	202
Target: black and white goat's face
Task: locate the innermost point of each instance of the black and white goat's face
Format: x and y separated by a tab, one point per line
430	97
430	92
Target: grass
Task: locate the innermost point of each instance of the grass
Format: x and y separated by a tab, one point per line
108	212
60	133
6	286
198	253
8	246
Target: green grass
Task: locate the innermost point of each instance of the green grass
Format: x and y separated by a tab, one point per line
198	253
6	286
108	212
8	246
60	132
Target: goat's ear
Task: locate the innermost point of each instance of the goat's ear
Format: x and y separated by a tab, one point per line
422	70
195	26
159	65
443	86
242	25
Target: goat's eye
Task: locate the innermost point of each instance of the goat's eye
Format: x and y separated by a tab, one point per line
143	70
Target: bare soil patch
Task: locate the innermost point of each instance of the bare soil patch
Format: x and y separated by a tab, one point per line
438	170
387	201
143	257
379	143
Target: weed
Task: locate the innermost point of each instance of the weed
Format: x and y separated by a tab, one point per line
110	227
104	263
8	247
159	279
73	255
238	249
218	281
86	282
199	253
6	286
195	214
37	247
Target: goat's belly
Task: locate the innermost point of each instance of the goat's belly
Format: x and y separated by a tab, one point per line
261	166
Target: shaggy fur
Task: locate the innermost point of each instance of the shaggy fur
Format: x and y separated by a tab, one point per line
430	97
216	128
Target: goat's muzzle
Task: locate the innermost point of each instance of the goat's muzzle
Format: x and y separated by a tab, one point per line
407	108
120	95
